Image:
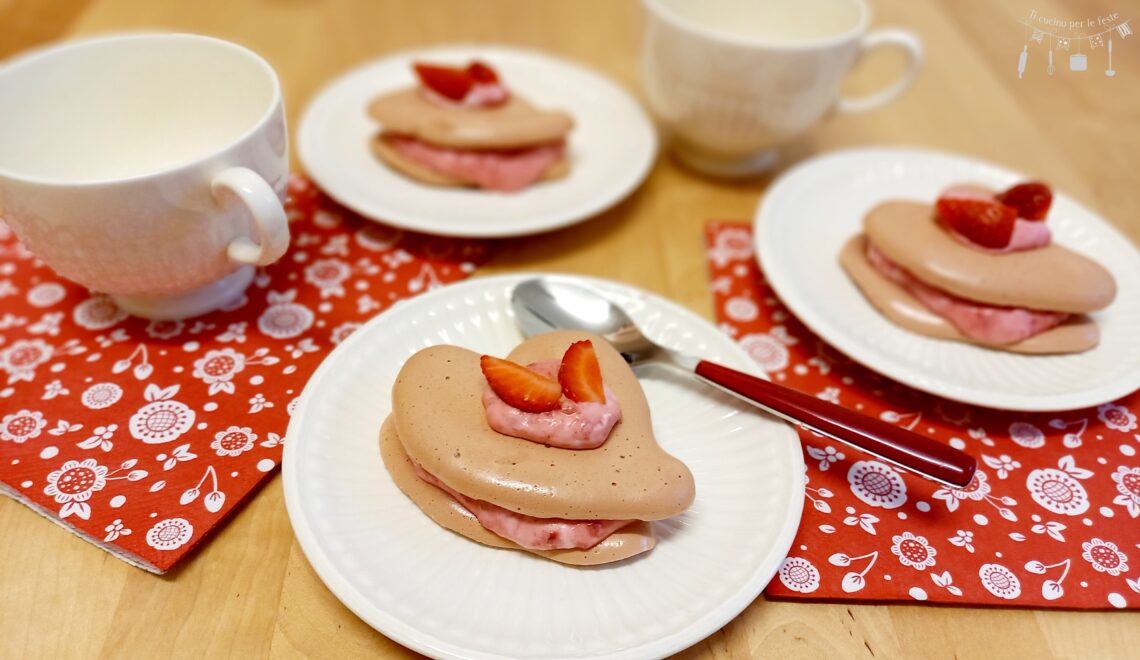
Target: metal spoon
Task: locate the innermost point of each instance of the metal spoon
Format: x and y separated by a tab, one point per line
544	304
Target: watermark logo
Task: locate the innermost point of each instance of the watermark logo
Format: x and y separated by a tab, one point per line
1055	40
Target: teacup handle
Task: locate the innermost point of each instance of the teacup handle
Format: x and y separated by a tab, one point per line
269	221
904	39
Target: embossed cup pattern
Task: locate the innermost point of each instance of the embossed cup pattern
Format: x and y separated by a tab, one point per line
165	215
731	98
156	236
724	101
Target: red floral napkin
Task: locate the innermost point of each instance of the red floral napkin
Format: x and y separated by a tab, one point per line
1051	520
142	436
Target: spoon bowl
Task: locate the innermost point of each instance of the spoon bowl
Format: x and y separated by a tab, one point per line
546	303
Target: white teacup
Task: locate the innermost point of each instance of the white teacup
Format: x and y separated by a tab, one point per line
150	167
732	79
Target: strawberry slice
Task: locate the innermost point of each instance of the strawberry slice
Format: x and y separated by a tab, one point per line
581	375
987	223
520	387
449	82
481	73
1032	200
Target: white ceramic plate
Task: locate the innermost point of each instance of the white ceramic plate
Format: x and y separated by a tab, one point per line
611	148
809	213
446	596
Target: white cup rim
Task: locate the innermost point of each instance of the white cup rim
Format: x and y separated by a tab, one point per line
37	54
812	43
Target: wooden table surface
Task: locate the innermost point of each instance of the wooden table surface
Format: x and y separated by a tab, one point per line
251	593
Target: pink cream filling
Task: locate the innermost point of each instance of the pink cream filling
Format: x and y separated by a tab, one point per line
572	425
984	323
1027	234
527	531
505	170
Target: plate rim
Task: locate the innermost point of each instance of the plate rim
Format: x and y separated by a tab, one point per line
396	629
305	136
993	399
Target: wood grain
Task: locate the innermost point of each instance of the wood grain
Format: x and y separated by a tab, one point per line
251	593
27	24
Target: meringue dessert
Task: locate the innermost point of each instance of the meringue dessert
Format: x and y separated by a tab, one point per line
463	127
556	458
979	267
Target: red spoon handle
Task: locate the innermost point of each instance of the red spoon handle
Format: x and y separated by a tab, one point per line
913	451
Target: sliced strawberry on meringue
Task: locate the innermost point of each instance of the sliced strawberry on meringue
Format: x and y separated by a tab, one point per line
985	222
476	85
580	375
1032	200
976	217
576	411
448	82
520	387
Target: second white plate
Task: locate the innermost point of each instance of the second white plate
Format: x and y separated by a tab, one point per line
612	147
809	213
446	596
